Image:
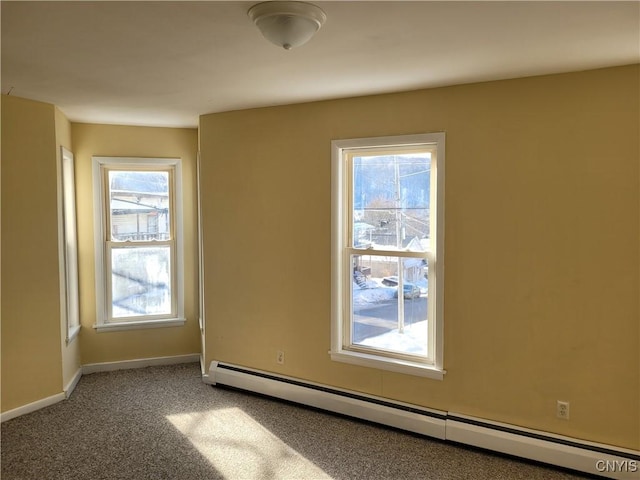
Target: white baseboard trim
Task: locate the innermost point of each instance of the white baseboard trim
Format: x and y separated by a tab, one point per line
31	407
93	368
71	386
139	363
589	457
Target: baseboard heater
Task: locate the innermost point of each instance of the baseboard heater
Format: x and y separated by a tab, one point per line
593	458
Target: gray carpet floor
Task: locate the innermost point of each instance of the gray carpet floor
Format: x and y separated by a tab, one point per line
164	423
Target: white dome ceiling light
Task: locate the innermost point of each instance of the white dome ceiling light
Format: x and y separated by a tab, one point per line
287	24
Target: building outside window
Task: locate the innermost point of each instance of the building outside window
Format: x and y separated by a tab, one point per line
387	284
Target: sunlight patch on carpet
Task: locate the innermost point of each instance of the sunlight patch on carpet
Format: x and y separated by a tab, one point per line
241	448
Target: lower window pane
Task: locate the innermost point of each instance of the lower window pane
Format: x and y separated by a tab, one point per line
140	281
382	317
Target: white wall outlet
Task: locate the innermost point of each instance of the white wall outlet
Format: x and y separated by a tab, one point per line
280	357
562	410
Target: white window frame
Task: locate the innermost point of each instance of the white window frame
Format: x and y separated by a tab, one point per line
341	250
103	296
68	246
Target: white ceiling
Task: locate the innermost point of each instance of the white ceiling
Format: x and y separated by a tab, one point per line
166	63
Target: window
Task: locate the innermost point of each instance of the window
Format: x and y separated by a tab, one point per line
387	253
69	246
138	230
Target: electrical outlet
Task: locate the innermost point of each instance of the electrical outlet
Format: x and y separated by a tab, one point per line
562	410
280	357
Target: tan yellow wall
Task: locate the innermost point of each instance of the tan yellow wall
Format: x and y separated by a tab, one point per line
71	350
123	141
541	246
31	360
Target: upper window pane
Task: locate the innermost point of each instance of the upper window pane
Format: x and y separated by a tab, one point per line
391	197
139	205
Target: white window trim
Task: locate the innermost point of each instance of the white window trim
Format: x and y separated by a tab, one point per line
68	246
339	196
101	324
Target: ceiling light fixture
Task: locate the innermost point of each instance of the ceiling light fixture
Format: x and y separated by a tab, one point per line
287	24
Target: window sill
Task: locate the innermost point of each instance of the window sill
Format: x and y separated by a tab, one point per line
390	364
118	326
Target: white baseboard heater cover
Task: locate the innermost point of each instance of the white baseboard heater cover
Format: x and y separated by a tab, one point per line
593	458
566	452
395	414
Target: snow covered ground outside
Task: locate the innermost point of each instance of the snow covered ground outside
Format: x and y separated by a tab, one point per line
374	293
412	340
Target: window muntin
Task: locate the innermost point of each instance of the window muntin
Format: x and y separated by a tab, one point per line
386	307
139	274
